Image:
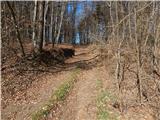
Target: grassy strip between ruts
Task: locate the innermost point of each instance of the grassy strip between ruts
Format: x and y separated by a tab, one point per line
59	95
103	99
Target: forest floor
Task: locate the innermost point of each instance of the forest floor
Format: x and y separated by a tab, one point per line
85	101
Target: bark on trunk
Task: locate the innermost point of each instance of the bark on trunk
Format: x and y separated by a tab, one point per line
34	24
51	24
16	26
44	26
55	30
41	25
138	50
60	24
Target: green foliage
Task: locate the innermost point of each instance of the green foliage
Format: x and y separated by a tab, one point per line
103	112
103	115
41	113
99	84
63	90
59	95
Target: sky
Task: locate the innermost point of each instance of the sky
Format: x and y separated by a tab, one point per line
79	8
80	13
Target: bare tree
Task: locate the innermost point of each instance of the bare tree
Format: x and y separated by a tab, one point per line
60	24
44	26
34	23
138	67
41	6
112	22
51	23
16	26
55	26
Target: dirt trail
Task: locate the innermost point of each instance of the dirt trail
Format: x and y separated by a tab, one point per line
80	104
34	97
81	54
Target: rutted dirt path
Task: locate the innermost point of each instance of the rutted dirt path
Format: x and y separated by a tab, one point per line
34	97
27	102
80	105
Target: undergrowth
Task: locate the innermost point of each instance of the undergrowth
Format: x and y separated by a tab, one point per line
103	99
59	95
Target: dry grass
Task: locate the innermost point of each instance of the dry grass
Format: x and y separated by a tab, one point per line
128	96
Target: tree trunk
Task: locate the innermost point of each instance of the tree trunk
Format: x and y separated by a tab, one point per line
130	30
40	26
112	22
117	20
139	84
55	30
151	25
60	24
73	22
44	26
17	28
34	24
51	24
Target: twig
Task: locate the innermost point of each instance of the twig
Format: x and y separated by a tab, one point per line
155	72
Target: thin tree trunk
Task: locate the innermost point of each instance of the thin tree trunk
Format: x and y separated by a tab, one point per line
73	22
16	26
151	27
51	24
130	31
139	84
112	22
41	25
117	20
34	24
123	23
44	26
60	24
55	31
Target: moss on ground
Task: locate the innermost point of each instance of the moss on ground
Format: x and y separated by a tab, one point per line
103	98
59	95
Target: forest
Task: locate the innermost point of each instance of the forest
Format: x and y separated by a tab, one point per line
80	60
